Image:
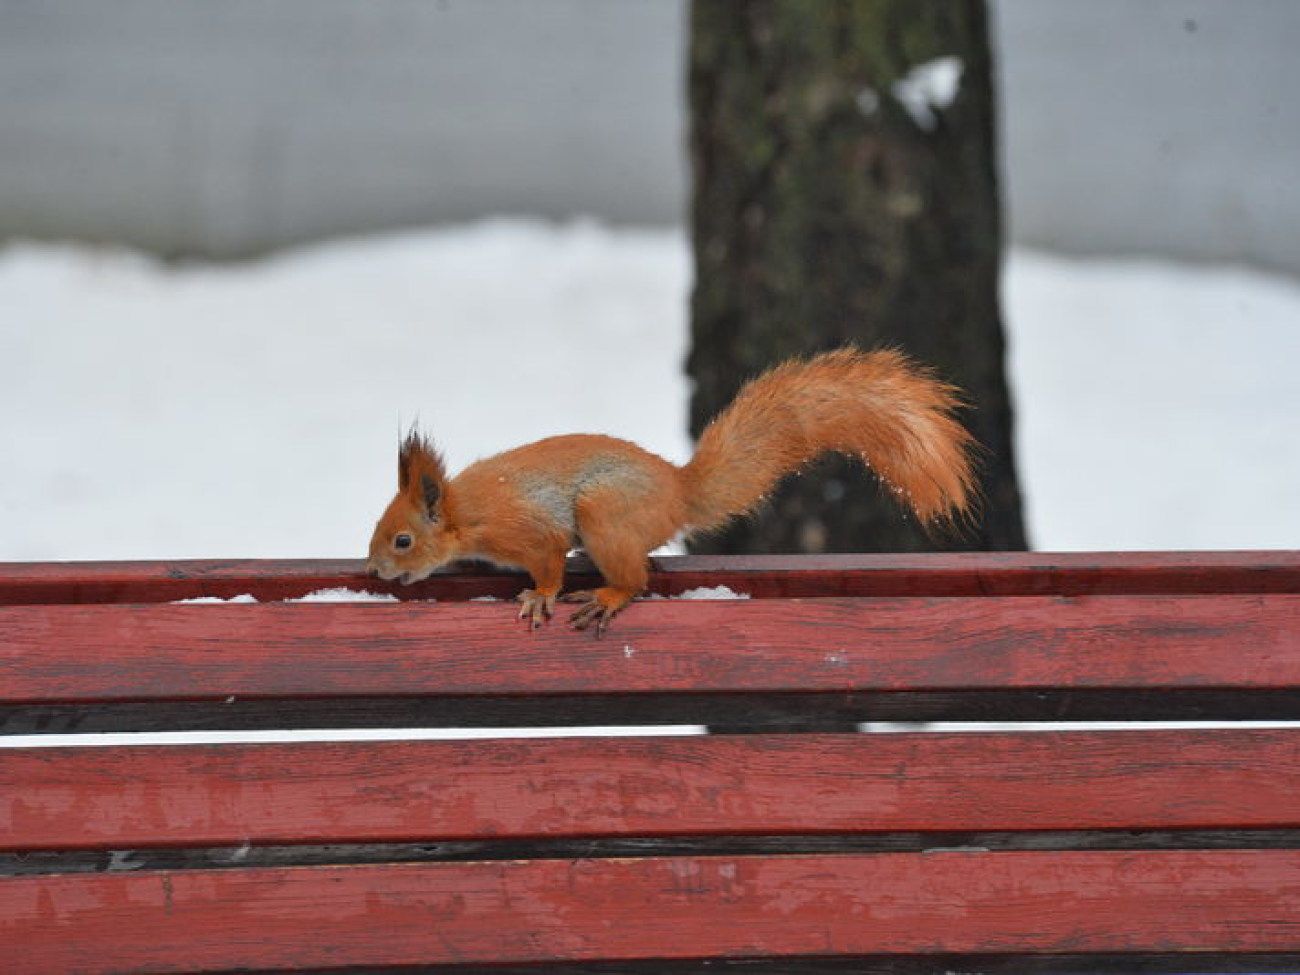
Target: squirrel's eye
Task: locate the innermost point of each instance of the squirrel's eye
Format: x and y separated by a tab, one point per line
402	541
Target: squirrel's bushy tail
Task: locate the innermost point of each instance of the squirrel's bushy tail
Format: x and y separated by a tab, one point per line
878	406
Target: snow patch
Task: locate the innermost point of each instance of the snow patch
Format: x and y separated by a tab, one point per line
928	89
711	592
344	595
338	595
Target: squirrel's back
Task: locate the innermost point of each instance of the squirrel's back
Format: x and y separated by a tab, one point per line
559	480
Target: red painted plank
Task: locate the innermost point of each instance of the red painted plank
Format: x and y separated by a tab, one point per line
679	907
930	574
796	784
83	653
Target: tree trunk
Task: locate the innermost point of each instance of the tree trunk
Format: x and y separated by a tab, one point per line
846	192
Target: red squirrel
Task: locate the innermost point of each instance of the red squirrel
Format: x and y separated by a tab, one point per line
528	507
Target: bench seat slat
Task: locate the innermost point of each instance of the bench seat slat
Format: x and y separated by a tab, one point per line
680	907
406	791
185	652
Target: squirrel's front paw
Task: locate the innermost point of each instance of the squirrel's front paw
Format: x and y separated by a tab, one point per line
536	606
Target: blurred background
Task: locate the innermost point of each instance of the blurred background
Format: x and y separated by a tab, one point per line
243	244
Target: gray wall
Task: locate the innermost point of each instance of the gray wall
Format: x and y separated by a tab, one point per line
1164	126
226	127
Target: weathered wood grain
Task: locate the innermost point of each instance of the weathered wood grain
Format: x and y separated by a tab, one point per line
407	791
162	652
535	911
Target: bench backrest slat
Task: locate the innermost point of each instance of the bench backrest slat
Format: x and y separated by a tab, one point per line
672	907
168	651
762	576
402	791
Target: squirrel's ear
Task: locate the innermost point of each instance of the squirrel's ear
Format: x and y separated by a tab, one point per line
420	472
431	489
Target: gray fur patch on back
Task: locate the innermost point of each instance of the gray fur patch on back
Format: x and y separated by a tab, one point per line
556	498
553	498
605	469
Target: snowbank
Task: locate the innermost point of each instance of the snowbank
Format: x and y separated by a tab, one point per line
149	411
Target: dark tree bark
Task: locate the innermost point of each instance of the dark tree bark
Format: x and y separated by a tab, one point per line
845	194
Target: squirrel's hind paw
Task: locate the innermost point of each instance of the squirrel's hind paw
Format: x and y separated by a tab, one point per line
599	606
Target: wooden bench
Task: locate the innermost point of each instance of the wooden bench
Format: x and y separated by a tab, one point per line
789	848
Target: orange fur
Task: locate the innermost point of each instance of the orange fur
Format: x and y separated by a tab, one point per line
877	406
529	506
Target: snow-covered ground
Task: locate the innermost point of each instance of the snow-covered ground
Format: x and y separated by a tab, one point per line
149	411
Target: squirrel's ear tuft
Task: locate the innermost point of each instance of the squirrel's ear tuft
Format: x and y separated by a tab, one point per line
420	471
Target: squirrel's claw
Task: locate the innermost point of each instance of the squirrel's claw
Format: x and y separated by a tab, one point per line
594	609
593	612
536	607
